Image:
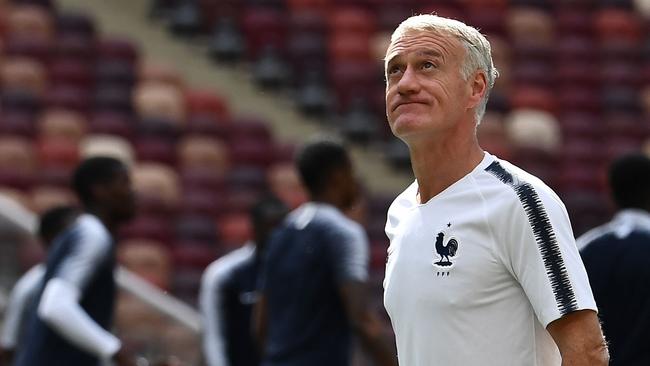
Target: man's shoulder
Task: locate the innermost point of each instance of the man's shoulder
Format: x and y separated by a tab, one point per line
226	265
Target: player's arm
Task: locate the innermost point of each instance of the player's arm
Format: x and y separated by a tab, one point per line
260	322
349	258
580	339
212	311
59	305
366	323
24	290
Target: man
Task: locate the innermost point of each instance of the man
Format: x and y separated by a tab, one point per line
616	258
227	293
312	287
71	317
52	223
482	268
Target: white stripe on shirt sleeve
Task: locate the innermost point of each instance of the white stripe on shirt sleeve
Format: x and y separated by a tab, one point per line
22	293
211	306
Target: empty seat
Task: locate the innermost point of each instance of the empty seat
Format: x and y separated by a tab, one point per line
72	73
113	99
23	74
30	21
284	183
617	24
75	23
21	102
203	202
150	227
198	179
115	73
533	97
201	152
18	124
110	123
207	125
107	145
46	197
349	47
263	27
112	48
156	100
40	49
206	102
196	228
63	125
67	97
58	152
75	47
247	178
352	20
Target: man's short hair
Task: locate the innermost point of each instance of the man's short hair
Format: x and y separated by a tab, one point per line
91	172
267	206
318	159
54	221
479	51
629	180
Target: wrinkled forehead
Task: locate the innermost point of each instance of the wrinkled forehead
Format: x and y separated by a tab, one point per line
443	44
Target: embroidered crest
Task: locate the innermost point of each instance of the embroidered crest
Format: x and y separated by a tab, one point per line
446	247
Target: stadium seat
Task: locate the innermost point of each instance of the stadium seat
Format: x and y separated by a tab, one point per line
117	49
159	181
358	123
20	102
18	124
195	179
71	73
57	152
62	124
617	24
235	229
227	41
283	181
195	228
352	20
110	123
147	258
271	70
207	125
75	24
115	73
17	153
263	27
349	47
201	152
46	197
23	74
75	47
251	152
155	150
112	99
151	227
39	49
533	97
157	100
30	21
202	202
68	97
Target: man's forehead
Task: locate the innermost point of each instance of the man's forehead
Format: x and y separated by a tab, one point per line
422	43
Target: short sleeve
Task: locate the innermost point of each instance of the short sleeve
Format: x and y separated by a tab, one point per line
90	249
537	245
348	253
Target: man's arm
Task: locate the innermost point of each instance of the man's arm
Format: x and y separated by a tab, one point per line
580	339
259	323
366	324
212	311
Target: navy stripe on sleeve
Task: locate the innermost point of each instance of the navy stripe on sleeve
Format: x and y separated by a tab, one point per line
544	236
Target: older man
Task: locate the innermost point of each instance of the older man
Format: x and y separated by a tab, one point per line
483	268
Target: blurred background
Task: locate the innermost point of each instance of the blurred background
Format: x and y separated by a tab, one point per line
206	99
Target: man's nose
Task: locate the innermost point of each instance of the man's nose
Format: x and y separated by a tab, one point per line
408	83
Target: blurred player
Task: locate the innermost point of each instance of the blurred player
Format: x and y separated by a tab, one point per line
70	320
312	287
482	267
616	258
52	223
227	293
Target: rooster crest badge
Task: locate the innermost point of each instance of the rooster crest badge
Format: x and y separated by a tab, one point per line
446	249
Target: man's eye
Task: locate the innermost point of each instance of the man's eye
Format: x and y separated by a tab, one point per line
393	70
428	65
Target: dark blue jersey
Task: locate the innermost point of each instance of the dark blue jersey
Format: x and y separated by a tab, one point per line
84	257
227	298
314	252
616	256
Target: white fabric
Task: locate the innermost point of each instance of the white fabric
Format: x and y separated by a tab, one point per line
490	303
23	292
623	224
60	309
211	305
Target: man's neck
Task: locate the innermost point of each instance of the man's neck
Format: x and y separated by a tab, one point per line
439	163
104	218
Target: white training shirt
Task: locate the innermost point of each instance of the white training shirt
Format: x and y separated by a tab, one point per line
476	274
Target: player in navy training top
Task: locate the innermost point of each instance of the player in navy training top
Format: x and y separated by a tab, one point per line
312	286
228	293
616	258
70	321
51	224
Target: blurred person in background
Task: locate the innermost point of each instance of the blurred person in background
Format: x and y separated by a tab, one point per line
228	293
482	266
51	224
312	289
70	320
616	258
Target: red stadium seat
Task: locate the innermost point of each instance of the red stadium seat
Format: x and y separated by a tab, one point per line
196	228
39	49
117	49
205	102
235	229
116	99
148	227
107	122
530	97
349	47
616	24
115	73
75	47
72	73
264	27
18	124
67	97
352	20
202	202
58	152
75	23
202	179
155	150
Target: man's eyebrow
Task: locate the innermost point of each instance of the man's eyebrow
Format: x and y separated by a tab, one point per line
421	52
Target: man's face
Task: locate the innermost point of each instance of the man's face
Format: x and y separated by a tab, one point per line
120	195
425	91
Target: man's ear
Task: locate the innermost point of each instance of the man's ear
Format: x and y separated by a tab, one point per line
478	89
